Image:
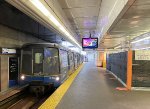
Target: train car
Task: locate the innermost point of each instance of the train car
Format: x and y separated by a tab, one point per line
71	62
45	64
75	60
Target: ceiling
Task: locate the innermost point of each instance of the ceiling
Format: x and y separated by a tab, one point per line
115	22
134	22
82	15
22	22
95	17
49	14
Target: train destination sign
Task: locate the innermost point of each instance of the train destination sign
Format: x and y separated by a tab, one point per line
8	51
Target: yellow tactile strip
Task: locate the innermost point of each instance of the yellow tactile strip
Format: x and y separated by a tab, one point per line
55	98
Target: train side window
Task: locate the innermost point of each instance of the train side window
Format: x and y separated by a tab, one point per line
64	58
38	58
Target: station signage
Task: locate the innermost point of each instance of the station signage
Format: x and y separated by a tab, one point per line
8	51
142	55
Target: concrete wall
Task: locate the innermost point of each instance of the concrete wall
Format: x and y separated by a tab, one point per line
4	71
11	38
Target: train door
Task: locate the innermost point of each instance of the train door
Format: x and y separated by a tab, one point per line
64	63
78	59
71	62
37	61
75	60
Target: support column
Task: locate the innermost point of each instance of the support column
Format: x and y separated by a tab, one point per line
129	70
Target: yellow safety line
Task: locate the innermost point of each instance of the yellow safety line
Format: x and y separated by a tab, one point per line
55	98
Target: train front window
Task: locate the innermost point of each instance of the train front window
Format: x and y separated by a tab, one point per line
38	61
51	61
38	58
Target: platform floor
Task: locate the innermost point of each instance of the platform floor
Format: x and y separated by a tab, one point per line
94	88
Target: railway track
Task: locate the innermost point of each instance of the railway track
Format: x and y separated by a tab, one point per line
29	102
24	103
23	100
6	102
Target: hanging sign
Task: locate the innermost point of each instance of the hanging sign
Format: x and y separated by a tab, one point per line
8	51
142	55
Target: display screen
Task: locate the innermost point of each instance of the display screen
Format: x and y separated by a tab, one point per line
90	42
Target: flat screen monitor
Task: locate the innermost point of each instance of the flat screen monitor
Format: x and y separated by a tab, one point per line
90	43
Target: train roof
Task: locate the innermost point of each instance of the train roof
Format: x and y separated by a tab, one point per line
30	45
35	45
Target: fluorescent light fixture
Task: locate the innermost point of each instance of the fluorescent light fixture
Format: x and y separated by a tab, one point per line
40	7
117	47
135	17
142	48
52	18
140	40
47	13
134	22
67	33
63	30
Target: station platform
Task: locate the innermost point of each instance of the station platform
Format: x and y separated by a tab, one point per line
95	88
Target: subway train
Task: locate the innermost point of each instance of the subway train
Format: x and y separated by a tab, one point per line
46	64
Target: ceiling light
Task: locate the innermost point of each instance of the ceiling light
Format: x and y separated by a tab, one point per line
135	17
134	22
140	40
63	30
142	48
40	7
117	47
50	16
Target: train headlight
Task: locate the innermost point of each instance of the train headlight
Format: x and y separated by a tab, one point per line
22	77
57	78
